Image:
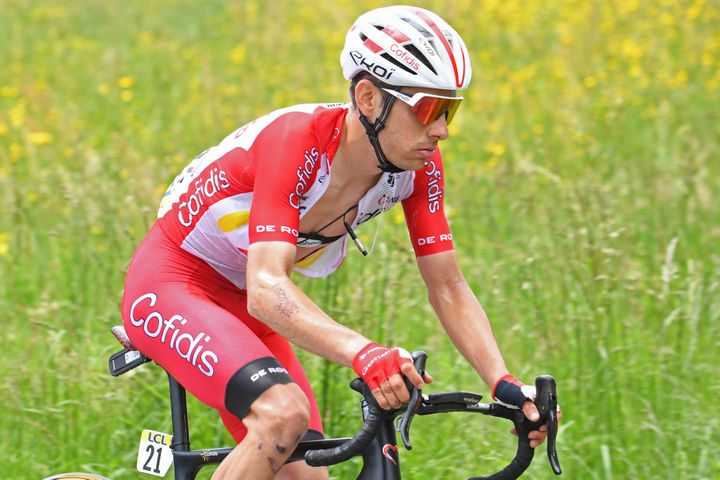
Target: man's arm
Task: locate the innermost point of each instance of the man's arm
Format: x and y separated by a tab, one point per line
461	315
274	299
466	323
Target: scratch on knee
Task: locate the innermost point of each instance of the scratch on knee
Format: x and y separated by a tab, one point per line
272	463
280	448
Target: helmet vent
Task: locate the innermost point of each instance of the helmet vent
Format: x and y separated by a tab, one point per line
425	32
414	50
392	60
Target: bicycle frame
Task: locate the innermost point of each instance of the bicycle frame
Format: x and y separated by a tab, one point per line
378	461
376	441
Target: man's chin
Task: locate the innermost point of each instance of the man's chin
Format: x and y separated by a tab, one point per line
417	164
409	164
412	164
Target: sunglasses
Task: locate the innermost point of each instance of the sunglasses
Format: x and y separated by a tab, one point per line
428	107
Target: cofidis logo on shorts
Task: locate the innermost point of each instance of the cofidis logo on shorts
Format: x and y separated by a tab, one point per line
191	348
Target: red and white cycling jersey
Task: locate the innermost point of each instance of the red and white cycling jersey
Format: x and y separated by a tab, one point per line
261	179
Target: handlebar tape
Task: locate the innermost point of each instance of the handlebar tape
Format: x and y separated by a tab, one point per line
546	402
523	456
332	456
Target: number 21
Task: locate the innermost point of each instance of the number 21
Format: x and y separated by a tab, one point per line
152	451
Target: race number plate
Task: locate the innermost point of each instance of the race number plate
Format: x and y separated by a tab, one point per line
154	453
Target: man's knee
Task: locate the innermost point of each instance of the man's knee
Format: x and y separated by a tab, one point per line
280	409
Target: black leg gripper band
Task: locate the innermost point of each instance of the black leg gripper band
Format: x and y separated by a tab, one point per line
248	383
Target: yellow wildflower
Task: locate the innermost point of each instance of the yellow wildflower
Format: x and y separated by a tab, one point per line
496	149
631	49
126	96
491	164
3	129
679	79
238	54
251	10
17	115
9	92
40	138
16	151
707	59
126	82
667	20
147	38
694	11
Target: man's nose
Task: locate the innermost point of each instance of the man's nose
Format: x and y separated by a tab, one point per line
439	128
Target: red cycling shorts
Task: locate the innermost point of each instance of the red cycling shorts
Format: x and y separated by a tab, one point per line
189	319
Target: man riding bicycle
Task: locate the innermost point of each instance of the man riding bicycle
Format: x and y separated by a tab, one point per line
208	293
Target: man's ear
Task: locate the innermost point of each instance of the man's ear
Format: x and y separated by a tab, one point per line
368	99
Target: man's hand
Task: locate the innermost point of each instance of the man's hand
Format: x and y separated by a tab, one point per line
531	412
512	393
382	369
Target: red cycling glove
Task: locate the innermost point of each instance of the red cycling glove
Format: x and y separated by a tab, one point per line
511	392
376	363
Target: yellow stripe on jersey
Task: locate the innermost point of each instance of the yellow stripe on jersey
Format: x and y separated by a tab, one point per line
309	260
231	221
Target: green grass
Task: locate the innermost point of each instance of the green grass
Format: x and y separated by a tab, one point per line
583	175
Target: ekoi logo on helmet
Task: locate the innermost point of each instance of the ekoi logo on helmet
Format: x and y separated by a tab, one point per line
375	68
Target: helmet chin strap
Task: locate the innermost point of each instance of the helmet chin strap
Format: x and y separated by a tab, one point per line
372	130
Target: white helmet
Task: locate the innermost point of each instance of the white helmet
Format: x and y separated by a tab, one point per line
406	47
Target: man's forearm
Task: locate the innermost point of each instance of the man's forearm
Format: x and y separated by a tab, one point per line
279	303
468	327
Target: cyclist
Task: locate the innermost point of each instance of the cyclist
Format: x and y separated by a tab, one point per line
208	293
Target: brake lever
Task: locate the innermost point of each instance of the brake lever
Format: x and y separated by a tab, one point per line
419	358
546	402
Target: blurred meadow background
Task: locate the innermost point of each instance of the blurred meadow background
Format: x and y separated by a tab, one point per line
583	182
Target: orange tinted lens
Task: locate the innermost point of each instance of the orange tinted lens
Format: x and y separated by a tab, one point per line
429	109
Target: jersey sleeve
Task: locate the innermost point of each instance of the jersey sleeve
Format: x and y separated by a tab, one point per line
424	212
286	159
